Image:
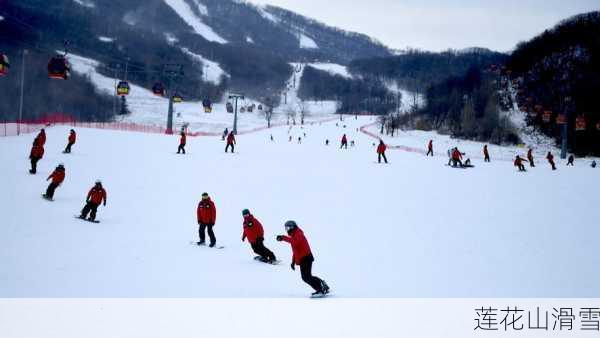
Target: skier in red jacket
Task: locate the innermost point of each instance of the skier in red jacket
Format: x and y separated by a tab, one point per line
381	151
95	197
182	141
230	142
36	154
550	159
254	231
486	154
207	216
344	143
456	157
71	141
303	256
530	157
41	137
519	163
430	148
57	176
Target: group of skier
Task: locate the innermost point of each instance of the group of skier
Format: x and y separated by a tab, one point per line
229	135
253	231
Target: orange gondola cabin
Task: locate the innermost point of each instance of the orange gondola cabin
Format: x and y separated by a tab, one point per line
4	64
123	88
59	68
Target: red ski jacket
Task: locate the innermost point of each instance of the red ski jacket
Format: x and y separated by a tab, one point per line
518	162
206	212
485	151
430	145
72	137
300	247
182	139
37	151
230	138
529	154
381	148
456	155
41	138
57	176
252	229
97	195
550	157
344	139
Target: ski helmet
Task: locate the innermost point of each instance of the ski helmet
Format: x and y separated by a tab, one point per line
290	225
245	212
98	182
204	195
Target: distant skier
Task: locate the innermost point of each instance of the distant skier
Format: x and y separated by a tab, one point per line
457	157
593	165
550	159
381	152
254	231
70	141
486	154
182	141
326	142
530	157
230	142
36	154
57	176
430	148
570	160
519	163
272	139
207	215
299	140
344	143
95	197
41	137
290	139
225	133
352	144
302	256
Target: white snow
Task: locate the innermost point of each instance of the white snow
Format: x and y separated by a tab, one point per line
105	39
306	42
171	39
1	18
413	228
265	14
85	3
249	39
201	7
212	70
409	98
332	68
185	12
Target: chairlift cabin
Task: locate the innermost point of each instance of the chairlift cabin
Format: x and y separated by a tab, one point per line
4	64
158	89
250	108
547	116
123	88
59	68
229	107
580	123
242	110
207	104
177	98
260	107
561	119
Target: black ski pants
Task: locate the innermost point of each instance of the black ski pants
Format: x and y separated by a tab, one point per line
203	229
68	148
380	156
50	191
34	161
90	206
306	273
181	148
260	249
229	145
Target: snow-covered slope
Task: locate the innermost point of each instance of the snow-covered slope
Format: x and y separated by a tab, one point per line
182	8
413	228
332	68
212	70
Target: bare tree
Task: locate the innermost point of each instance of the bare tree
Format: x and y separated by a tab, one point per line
268	111
302	110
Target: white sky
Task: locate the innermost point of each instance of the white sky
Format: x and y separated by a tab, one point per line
437	24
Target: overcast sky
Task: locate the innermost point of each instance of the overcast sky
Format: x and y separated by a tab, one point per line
439	25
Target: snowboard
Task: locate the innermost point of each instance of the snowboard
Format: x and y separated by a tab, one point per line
87	220
320	295
461	167
259	259
214	247
46	198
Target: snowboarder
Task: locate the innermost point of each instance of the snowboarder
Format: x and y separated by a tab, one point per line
593	164
550	159
530	157
486	154
95	197
207	215
381	152
570	160
519	163
272	139
456	157
254	231
57	176
344	143
182	142
299	140
302	256
71	141
430	148
230	142
36	154
326	142
352	144
225	133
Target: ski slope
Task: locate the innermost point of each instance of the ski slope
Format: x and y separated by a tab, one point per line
413	228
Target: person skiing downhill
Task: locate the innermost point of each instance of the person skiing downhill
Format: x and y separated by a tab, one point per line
519	163
430	148
230	142
570	160
254	232
70	141
57	176
225	133
302	256
182	141
344	143
486	154
381	151
36	154
207	216
550	159
95	197
530	157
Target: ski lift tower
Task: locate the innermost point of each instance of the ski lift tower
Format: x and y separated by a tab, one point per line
235	97
172	71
